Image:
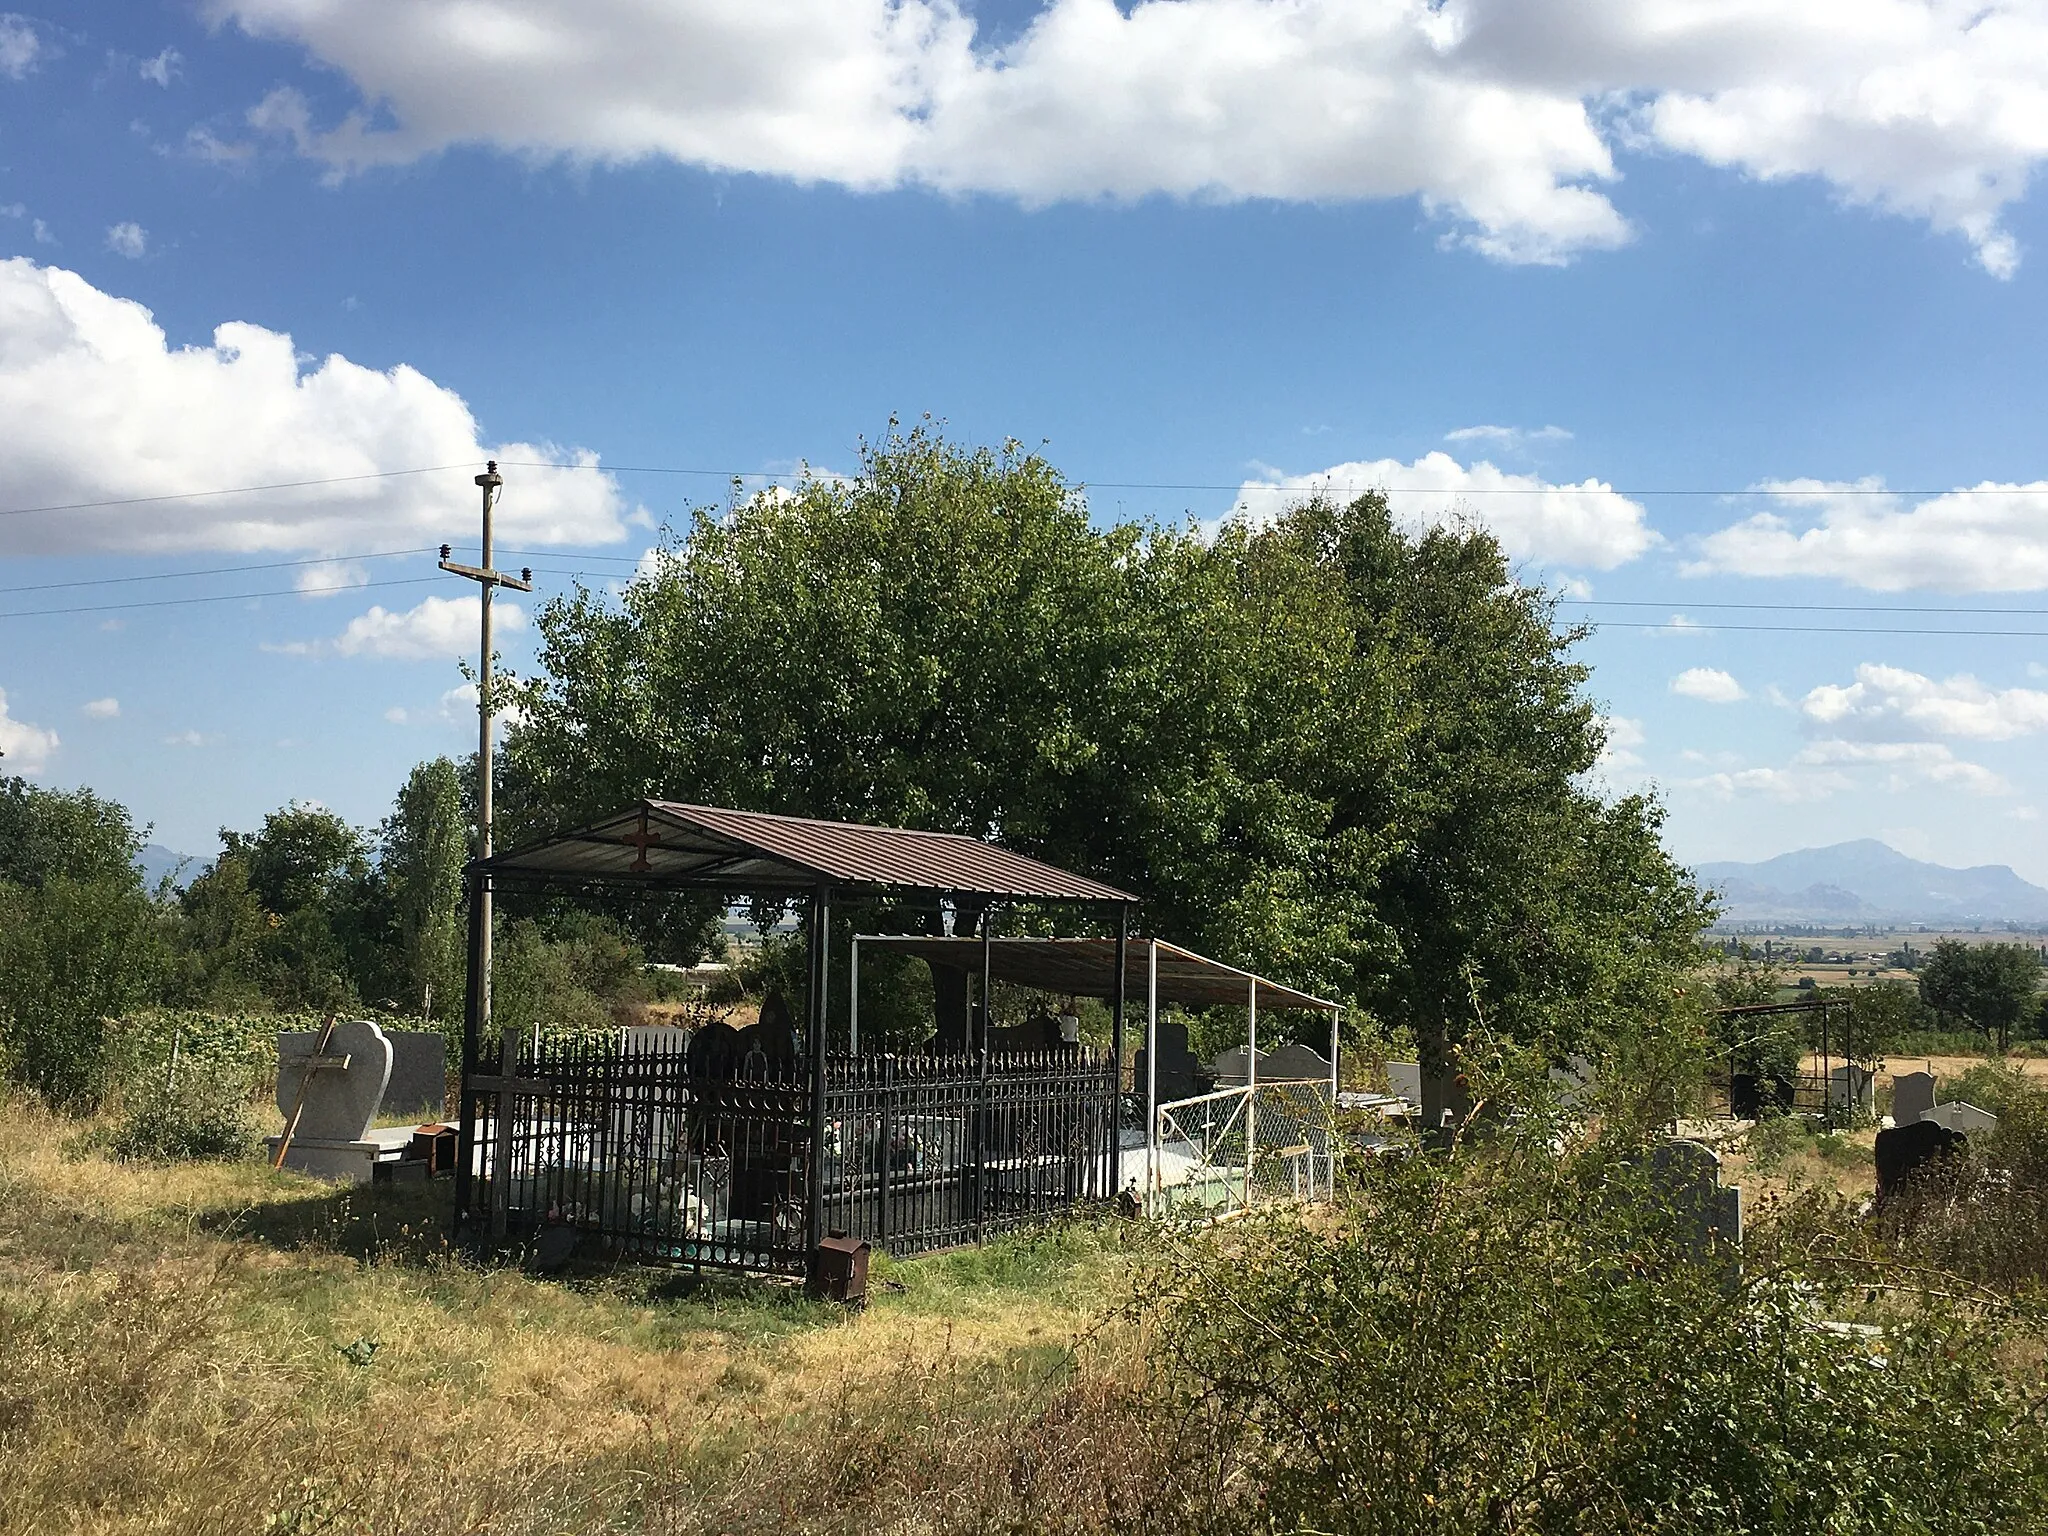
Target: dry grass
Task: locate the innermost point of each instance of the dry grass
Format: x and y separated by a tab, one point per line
219	1348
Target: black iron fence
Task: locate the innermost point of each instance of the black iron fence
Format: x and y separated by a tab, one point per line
620	1139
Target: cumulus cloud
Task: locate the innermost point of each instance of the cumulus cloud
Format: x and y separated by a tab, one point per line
96	405
1586	524
1500	116
102	709
329	578
1986	538
1710	685
1909	763
1791	786
20	47
1892	704
24	748
438	628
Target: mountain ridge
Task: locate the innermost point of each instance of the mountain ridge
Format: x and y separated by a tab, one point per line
1866	880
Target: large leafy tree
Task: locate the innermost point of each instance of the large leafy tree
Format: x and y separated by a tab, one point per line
1993	986
423	844
1354	756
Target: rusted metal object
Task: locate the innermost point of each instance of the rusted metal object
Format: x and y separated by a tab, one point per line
434	1145
839	1270
668	843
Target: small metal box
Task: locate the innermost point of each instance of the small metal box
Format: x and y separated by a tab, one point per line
840	1268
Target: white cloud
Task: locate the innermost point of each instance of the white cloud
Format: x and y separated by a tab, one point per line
42	232
1910	762
20	47
1792	786
24	748
1989	537
1710	685
185	739
95	405
1679	624
1586	524
161	68
330	578
102	709
1500	116
438	627
1508	437
458	706
397	714
128	239
1893	704
1622	737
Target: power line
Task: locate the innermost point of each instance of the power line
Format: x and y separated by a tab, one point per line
1819	629
217	597
236	490
1619	602
217	570
1316	483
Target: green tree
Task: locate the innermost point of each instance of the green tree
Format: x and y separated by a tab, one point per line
1354	757
1992	986
224	930
73	954
423	844
73	833
311	871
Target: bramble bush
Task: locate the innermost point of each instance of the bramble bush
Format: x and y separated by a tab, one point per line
1509	1339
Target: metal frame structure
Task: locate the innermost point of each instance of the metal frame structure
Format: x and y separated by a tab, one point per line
666	846
1092	968
1809	1091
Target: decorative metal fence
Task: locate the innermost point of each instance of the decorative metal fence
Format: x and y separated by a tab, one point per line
1227	1151
618	1138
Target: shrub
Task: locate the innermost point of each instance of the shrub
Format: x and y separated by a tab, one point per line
202	1116
1514	1341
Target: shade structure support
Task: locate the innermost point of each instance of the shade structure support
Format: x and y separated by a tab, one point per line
814	1041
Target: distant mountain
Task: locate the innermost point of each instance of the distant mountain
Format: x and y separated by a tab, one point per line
155	861
1868	881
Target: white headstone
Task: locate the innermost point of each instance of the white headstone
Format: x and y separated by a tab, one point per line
1912	1096
1852	1086
1405	1079
339	1101
1967	1118
335	1095
1574	1080
1689	1176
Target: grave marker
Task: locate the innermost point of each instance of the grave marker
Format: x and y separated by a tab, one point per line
1912	1096
330	1097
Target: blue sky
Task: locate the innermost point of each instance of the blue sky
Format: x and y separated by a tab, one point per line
1665	247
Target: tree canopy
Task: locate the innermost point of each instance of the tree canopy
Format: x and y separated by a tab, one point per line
1991	985
1351	754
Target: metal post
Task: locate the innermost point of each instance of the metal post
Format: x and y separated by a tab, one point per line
1151	1068
1251	1093
988	919
465	1162
853	998
1116	1051
490	483
814	1173
1336	1020
488	580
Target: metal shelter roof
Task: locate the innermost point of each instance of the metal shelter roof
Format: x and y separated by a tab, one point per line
1087	968
663	844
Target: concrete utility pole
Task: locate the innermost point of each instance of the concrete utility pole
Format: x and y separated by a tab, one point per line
490	482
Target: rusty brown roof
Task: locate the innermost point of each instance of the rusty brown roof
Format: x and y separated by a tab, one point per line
1086	967
668	844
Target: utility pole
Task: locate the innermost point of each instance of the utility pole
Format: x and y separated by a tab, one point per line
490	482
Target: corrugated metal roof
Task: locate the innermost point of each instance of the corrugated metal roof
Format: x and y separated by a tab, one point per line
1087	968
664	843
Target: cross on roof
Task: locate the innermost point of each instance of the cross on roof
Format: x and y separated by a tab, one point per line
641	840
